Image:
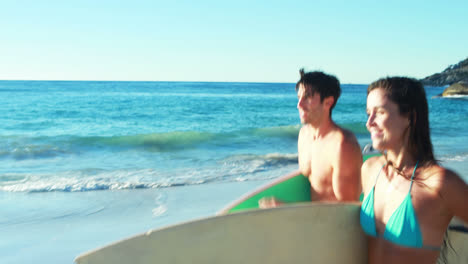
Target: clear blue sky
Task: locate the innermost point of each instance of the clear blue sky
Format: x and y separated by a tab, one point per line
240	41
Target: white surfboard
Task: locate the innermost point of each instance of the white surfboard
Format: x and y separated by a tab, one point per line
299	233
309	232
457	250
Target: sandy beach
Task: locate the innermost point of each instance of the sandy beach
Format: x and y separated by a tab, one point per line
54	233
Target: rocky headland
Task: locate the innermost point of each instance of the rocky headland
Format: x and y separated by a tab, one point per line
459	88
453	74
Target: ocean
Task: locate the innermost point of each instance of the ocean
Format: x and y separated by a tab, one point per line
83	163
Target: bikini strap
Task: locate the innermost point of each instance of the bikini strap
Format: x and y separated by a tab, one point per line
412	176
375	182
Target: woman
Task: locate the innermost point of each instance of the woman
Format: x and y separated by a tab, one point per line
409	198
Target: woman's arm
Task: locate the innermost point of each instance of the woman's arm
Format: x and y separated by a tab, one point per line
454	192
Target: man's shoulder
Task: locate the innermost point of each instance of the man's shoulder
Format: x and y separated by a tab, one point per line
344	138
347	134
345	147
302	133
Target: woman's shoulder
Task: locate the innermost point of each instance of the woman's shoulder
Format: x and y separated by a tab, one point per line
449	187
440	181
438	177
370	169
373	162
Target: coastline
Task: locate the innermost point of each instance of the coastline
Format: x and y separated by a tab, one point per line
95	219
49	230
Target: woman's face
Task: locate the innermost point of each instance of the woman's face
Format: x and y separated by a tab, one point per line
388	128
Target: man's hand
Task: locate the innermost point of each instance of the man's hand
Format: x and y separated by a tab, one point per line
269	202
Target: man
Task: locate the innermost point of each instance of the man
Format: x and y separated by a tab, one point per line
329	156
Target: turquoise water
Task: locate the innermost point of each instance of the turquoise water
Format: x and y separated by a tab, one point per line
85	136
83	164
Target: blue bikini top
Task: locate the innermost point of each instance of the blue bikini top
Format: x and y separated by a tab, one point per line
402	228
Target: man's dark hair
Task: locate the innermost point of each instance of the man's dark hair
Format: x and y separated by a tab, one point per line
318	82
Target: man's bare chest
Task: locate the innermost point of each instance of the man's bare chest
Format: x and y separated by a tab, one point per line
315	163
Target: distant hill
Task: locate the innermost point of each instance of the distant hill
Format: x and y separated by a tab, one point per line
453	74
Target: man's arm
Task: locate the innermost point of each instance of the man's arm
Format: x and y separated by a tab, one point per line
347	170
269	202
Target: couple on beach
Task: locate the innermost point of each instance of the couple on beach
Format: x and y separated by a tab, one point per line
409	199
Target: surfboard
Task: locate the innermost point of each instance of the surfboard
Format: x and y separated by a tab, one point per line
300	233
291	188
295	187
457	249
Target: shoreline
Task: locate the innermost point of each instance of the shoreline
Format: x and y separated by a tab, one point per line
58	226
49	230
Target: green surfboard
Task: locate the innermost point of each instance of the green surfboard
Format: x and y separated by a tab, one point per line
292	188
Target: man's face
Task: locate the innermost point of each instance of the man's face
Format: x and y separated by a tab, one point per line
309	106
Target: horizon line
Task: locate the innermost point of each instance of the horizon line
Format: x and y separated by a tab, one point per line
19	80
